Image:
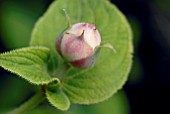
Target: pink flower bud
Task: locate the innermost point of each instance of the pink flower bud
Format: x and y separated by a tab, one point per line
78	45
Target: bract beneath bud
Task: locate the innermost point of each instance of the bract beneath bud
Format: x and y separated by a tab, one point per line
78	45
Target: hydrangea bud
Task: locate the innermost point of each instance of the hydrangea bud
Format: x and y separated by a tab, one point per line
78	45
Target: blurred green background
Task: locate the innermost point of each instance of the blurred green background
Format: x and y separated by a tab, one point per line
148	86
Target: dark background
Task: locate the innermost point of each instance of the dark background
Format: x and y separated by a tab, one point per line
151	94
148	87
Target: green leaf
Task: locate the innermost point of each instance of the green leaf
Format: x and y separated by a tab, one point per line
109	74
29	63
57	98
118	104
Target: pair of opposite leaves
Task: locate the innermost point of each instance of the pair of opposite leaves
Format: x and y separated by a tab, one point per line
40	63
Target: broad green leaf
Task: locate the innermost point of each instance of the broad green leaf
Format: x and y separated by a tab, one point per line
29	63
118	104
86	86
57	98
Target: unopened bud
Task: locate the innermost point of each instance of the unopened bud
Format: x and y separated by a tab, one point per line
79	45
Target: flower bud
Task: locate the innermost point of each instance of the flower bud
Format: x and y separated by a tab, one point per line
78	45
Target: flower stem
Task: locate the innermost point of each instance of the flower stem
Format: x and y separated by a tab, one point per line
30	104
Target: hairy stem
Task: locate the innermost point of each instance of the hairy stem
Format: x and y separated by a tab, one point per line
30	104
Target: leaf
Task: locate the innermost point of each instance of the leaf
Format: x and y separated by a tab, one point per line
29	63
57	98
109	74
118	104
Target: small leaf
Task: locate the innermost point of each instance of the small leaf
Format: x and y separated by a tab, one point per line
110	72
29	63
57	98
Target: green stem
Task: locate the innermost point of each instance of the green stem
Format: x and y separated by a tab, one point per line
30	104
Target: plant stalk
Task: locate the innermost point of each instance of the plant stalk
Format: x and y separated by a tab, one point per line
30	104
